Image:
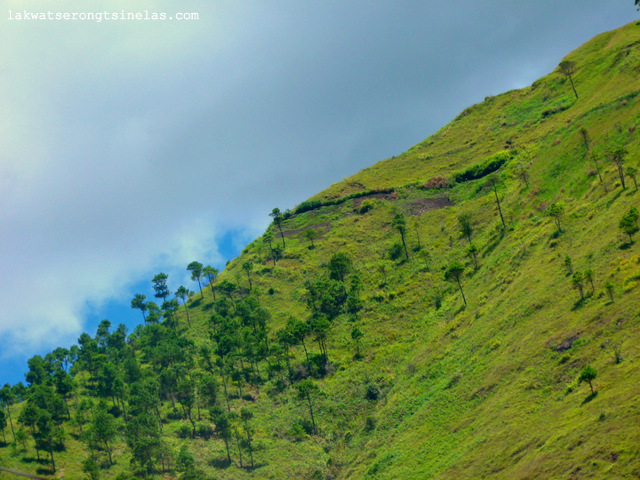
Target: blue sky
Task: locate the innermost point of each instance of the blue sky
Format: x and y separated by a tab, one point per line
133	147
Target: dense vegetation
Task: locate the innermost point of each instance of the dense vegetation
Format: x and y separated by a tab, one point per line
468	309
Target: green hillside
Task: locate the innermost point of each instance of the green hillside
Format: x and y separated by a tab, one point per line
350	352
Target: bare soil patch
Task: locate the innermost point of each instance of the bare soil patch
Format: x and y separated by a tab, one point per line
424	205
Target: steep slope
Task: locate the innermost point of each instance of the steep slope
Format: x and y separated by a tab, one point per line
484	391
435	386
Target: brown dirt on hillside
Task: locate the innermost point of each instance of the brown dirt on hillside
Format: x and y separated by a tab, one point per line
424	205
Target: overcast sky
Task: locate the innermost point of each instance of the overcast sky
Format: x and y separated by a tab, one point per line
133	147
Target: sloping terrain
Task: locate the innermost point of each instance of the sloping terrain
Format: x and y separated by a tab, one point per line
386	371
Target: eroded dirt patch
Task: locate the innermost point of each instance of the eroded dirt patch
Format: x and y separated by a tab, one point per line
567	343
424	205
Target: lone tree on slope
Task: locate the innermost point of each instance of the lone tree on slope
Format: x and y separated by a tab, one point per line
556	210
248	268
465	225
139	303
183	294
340	265
306	391
595	156
577	281
472	252
453	273
278	219
588	374
268	239
160	286
211	274
629	222
616	156
633	172
568	68
493	183
196	274
400	224
311	234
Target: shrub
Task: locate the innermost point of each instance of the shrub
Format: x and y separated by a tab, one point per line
609	288
588	374
184	460
307	205
370	423
372	392
436	183
307	426
484	168
366	206
183	431
204	431
437	298
296	432
396	251
629	223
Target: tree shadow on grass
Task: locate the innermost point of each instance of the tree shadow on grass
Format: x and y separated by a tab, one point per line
626	246
462	308
614	198
578	304
221	462
490	247
589	398
207	306
40	461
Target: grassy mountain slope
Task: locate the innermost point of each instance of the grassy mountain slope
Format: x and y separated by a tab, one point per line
482	391
447	391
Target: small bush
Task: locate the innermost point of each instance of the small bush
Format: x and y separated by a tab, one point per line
307	426
438	296
299	372
184	430
436	183
379	296
483	169
174	414
372	392
366	206
204	431
396	251
279	386
370	423
308	205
